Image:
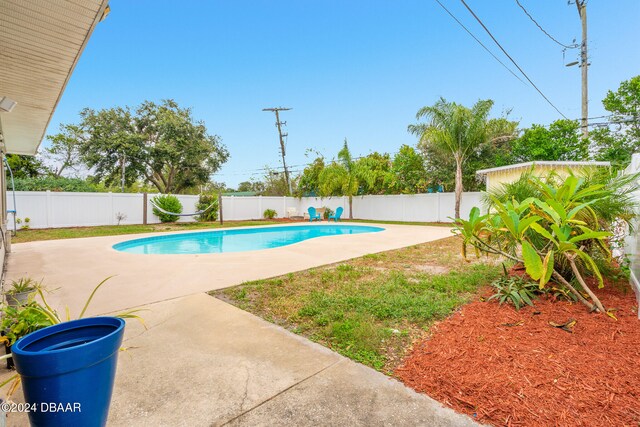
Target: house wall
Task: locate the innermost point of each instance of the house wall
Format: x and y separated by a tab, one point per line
4	236
496	179
47	209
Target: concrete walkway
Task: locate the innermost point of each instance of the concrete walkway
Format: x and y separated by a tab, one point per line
203	362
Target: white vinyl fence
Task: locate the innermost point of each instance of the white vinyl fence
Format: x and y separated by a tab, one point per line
47	209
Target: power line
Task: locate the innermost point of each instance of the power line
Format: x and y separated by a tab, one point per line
573	46
479	42
261	171
511	59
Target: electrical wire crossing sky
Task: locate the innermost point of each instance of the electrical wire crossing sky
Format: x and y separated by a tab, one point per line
358	70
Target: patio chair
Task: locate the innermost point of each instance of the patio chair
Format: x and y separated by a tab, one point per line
313	214
336	216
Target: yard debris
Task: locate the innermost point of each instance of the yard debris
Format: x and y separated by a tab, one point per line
586	378
566	326
518	323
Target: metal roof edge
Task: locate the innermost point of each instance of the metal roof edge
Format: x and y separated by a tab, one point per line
483	172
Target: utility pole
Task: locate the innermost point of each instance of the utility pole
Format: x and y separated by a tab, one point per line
584	64
281	135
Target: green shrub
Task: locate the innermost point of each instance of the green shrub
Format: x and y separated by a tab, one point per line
210	203
22	320
169	203
270	214
558	231
516	290
54	184
327	212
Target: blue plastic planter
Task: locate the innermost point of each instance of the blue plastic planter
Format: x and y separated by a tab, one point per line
68	371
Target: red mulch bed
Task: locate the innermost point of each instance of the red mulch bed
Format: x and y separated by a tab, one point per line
505	367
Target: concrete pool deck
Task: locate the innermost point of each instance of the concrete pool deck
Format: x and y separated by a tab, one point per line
75	266
202	362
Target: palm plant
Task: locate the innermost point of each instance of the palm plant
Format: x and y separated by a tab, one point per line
342	177
459	130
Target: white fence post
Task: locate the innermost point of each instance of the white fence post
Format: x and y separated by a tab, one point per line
113	214
404	207
49	208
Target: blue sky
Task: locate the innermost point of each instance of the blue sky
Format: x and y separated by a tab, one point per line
355	69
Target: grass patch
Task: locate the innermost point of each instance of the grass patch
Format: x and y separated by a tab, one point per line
372	308
33	235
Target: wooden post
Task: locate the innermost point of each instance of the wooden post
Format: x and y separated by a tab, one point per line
144	208
220	207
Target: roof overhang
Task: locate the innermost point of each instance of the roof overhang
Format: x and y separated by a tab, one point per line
528	165
40	44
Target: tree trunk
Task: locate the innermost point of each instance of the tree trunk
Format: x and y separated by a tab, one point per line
458	185
350	207
574	267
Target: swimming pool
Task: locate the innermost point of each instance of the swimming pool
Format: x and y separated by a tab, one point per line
236	240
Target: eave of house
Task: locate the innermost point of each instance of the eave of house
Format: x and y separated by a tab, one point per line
41	42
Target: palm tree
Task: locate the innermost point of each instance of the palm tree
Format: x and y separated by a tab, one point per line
341	177
460	131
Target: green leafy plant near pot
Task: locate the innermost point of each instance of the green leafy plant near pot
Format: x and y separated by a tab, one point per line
20	321
270	214
20	290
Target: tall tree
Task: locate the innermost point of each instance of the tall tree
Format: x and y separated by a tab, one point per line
23	166
274	183
309	181
250	186
374	172
459	131
441	167
618	141
64	151
408	171
561	140
161	143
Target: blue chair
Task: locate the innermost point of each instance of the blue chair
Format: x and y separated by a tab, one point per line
313	214
336	216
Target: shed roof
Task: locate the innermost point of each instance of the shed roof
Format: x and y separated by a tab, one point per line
528	165
40	44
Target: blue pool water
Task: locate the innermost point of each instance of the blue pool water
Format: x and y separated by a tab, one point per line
236	240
